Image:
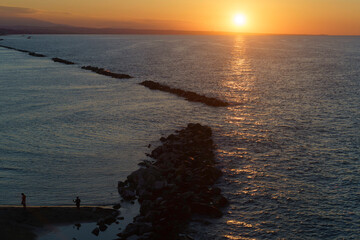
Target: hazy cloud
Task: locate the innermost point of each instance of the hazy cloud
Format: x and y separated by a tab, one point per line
86	21
133	24
13	11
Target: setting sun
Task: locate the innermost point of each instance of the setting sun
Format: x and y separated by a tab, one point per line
239	19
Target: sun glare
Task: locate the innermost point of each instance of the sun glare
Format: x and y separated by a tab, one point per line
239	19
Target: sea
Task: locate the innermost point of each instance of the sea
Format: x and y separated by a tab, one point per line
288	145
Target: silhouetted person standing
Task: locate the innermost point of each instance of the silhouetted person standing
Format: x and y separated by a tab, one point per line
77	202
23	200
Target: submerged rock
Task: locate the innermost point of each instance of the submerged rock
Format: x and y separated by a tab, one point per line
96	231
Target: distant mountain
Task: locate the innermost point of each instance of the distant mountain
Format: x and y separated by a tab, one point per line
34	26
15	22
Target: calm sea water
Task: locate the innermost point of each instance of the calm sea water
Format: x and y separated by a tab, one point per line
289	145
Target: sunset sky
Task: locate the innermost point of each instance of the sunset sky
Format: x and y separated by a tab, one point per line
337	17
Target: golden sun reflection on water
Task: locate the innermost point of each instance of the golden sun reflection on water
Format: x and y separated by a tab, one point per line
240	82
243	170
240	77
238	238
248	129
239	223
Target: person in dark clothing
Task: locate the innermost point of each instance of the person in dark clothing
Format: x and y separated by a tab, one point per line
77	202
23	200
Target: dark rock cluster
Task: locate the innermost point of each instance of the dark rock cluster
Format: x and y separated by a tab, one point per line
188	95
34	54
62	61
105	72
103	224
176	186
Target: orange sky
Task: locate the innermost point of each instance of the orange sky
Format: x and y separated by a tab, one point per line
337	17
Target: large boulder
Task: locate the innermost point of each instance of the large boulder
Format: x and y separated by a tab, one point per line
205	209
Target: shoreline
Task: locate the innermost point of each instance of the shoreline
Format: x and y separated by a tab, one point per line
19	223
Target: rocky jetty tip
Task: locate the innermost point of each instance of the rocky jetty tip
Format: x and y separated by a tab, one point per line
188	95
105	72
175	186
59	60
34	54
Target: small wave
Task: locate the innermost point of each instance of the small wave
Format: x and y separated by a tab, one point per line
10	169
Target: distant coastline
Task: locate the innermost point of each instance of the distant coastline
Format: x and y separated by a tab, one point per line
81	30
23	25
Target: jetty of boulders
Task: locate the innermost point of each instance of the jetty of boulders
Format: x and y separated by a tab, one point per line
105	72
188	95
62	61
97	70
177	185
34	54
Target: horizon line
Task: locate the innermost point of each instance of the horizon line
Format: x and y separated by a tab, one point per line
71	30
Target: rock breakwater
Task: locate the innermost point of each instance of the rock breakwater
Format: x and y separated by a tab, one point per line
97	70
188	95
176	186
62	61
104	72
34	54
